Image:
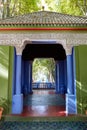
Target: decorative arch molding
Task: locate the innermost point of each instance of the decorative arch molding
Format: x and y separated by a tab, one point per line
67	39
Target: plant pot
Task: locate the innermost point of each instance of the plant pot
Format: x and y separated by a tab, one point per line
86	112
1	111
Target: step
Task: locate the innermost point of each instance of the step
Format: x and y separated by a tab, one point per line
44	124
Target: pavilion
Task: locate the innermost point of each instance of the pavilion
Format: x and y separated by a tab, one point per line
44	34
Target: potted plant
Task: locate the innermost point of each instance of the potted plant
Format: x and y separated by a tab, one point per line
85	106
1	111
3	106
86	109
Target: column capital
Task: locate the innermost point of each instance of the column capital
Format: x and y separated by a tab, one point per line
20	47
62	42
69	49
19	50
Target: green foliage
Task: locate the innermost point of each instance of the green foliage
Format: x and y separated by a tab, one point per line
69	7
44	66
84	104
23	6
4	103
17	7
72	7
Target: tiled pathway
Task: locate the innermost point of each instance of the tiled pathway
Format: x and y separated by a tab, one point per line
38	108
44	103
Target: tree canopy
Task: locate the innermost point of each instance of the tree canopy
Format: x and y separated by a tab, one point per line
44	69
16	7
10	8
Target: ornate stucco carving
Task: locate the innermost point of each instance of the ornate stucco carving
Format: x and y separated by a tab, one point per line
19	50
67	39
69	49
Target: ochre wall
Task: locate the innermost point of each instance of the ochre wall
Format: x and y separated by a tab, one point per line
81	77
6	70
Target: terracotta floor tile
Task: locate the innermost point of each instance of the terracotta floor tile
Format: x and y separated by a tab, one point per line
43	111
41	103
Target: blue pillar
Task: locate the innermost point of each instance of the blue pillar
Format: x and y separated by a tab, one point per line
61	77
74	72
17	106
14	74
22	77
18	74
71	96
65	75
69	75
30	78
26	77
57	77
74	81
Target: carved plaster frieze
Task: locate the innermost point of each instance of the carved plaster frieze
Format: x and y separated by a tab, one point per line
67	39
77	42
10	42
74	42
42	36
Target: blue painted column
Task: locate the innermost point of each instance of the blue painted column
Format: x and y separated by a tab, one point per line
22	77
14	74
26	77
61	77
30	78
57	77
17	107
71	96
74	81
69	75
65	75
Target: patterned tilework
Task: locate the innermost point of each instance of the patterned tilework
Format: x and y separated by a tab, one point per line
44	125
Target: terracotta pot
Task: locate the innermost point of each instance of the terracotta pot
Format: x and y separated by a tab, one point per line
86	112
1	111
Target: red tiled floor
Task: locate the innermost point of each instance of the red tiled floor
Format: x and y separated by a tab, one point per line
44	111
44	91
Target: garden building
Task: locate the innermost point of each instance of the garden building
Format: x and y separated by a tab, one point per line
44	34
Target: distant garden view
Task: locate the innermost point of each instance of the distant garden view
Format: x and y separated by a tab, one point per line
44	70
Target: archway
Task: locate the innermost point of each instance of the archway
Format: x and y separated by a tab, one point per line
44	50
64	70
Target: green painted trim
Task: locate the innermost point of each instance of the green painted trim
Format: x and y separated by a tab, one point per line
41	26
77	80
81	77
11	61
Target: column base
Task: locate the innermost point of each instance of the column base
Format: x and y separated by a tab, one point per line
71	107
17	104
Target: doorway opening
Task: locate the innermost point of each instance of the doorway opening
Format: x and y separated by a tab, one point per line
42	101
42	50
